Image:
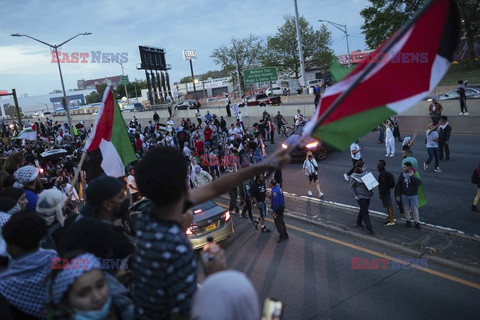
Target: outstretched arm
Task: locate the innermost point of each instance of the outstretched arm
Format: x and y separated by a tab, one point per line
277	160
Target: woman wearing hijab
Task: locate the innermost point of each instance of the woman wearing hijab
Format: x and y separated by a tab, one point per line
239	300
84	291
26	178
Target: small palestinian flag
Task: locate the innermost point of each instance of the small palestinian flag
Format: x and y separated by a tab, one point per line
110	136
403	70
27	134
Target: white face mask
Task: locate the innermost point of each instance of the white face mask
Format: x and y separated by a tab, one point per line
94	314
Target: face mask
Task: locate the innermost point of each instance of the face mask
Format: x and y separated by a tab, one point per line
94	314
123	210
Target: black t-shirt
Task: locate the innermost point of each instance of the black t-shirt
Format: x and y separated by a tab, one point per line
259	191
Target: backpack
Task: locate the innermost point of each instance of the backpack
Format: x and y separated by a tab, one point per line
390	180
475	179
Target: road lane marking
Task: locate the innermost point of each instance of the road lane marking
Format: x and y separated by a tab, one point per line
378	254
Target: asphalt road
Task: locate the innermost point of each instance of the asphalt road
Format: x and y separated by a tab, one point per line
312	275
449	194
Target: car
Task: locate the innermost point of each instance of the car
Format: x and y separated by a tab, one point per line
317	147
187	105
209	220
212	99
262	100
470	92
138	107
274	91
127	107
314	82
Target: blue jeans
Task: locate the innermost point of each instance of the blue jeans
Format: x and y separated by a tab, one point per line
263	209
432	152
410	205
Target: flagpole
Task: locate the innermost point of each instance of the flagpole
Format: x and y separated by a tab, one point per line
391	42
79	168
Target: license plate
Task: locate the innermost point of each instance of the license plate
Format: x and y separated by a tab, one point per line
210	227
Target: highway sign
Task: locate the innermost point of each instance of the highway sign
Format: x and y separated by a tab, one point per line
260	75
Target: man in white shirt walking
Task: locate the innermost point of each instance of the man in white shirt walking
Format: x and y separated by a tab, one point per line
356	155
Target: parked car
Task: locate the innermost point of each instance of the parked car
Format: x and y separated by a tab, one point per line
470	92
187	105
209	220
318	148
127	107
313	83
212	99
138	107
262	100
274	91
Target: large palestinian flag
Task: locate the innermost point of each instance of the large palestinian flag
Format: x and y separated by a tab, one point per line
403	70
110	136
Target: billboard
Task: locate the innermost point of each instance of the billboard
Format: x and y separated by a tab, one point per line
152	58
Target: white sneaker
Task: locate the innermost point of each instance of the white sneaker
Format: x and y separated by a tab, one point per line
425	166
465	114
309	193
460	114
392	155
320	195
345	176
387	155
437	170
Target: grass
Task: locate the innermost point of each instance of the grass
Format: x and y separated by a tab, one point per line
461	71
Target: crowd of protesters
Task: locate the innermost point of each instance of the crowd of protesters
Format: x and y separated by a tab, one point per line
63	254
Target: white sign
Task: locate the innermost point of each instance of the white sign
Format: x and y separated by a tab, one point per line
370	181
189	54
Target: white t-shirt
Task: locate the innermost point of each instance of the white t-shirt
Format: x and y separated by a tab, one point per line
389	134
355	147
131	181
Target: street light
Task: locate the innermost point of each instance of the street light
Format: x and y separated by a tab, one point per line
55	48
343	28
123	74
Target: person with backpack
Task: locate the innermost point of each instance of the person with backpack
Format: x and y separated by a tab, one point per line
386	182
476	180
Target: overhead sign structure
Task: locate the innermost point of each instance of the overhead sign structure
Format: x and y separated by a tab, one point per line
189	54
265	74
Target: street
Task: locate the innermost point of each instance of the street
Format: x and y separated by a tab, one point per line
449	193
312	275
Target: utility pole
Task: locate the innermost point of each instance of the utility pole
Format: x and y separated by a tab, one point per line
300	47
343	28
193	79
19	115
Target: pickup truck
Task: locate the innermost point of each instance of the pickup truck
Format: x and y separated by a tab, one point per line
262	100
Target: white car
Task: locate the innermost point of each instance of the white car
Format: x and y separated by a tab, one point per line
275	91
313	83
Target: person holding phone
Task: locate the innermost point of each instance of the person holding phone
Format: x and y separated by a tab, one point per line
310	166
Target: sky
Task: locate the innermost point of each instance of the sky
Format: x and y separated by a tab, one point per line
121	26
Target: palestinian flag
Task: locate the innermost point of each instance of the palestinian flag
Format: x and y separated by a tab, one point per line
109	135
403	70
27	134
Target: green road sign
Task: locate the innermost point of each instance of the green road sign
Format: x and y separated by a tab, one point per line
260	75
124	79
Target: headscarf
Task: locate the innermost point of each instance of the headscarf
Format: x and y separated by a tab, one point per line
23	283
50	205
234	289
65	278
24	175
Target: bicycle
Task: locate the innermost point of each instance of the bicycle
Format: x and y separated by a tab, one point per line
285	131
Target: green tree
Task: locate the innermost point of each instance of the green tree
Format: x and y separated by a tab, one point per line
93	97
186	79
282	48
10	110
241	54
383	17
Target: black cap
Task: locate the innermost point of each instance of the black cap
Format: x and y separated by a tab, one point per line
99	190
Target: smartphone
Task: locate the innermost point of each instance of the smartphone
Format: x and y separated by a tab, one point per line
272	309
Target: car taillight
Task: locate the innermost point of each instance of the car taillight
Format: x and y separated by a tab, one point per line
191	229
226	216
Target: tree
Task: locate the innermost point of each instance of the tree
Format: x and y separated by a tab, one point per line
241	54
186	79
282	48
93	97
383	17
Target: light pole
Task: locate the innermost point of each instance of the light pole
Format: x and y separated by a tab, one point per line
300	46
343	28
55	48
135	86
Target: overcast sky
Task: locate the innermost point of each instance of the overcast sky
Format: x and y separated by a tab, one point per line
121	26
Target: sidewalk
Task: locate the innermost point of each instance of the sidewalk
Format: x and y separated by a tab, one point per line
443	247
